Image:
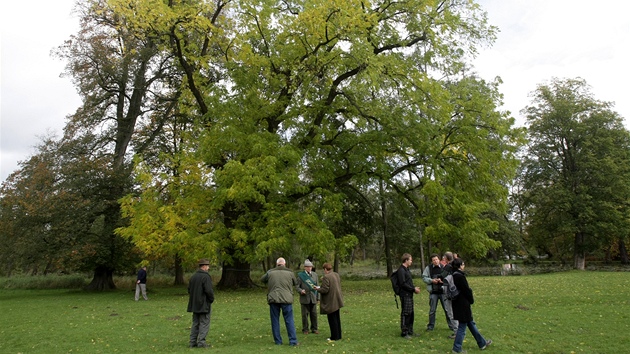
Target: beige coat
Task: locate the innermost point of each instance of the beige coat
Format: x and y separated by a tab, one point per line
330	292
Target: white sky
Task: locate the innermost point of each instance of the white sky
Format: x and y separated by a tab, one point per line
539	39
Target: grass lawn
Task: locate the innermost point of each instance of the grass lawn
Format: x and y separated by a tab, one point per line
570	312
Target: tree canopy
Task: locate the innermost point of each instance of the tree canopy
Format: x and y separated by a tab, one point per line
576	172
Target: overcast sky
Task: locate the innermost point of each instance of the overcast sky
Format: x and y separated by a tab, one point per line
539	39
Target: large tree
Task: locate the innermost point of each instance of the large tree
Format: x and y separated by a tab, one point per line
316	101
577	171
121	78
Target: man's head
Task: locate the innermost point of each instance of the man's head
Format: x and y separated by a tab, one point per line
448	256
406	259
204	264
327	268
281	262
308	266
435	259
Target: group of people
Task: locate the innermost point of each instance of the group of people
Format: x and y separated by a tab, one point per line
282	281
458	311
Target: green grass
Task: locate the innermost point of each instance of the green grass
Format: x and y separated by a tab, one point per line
570	312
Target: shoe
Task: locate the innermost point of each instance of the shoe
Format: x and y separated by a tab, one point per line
192	345
462	352
304	332
415	334
488	342
452	336
294	344
315	332
202	345
429	329
408	337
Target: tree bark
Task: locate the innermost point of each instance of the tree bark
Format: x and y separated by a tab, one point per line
236	276
179	271
579	256
103	279
623	252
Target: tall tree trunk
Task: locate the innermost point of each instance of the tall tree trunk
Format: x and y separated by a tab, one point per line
179	271
236	276
579	256
388	253
103	279
623	252
422	263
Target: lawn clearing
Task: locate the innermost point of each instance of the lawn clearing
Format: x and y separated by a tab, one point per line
570	312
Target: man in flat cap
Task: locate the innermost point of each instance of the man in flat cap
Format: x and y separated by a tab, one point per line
200	299
307	282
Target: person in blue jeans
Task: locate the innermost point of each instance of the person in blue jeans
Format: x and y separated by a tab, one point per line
281	281
462	311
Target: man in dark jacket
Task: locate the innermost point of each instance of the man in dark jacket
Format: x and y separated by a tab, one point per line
141	283
407	289
200	299
462	311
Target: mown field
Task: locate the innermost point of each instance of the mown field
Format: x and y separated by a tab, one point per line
568	312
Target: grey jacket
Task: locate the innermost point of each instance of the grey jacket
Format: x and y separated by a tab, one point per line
280	281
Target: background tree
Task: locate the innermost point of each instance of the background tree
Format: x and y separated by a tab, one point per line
577	171
119	77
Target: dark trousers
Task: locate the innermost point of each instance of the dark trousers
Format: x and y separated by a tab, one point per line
334	322
406	315
309	311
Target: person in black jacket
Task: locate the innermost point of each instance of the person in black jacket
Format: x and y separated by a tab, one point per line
141	283
200	299
462	311
407	289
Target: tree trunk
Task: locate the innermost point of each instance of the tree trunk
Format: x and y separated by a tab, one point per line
236	276
388	254
103	279
179	271
579	256
421	248
623	252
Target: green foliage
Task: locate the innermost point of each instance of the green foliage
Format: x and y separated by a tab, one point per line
520	314
577	171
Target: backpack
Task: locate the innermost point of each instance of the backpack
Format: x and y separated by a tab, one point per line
450	290
395	285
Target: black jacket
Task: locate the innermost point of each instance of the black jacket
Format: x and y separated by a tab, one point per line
461	304
200	292
405	281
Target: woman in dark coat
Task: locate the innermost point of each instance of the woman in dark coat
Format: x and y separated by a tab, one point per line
331	300
462	311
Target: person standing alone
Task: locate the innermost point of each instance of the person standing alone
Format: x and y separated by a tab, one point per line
141	283
200	299
307	282
407	289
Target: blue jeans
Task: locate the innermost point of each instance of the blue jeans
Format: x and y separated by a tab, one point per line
446	306
461	333
287	313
